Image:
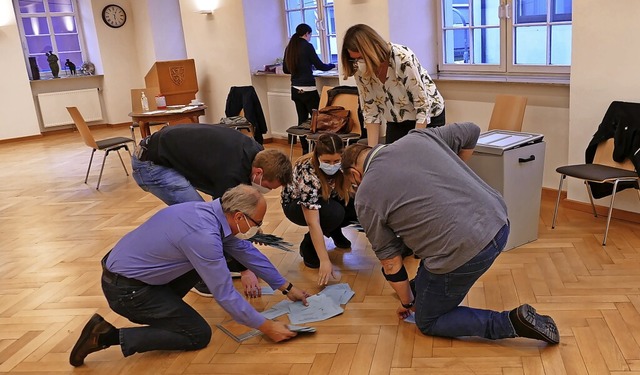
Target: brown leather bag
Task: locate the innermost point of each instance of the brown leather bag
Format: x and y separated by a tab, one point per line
331	119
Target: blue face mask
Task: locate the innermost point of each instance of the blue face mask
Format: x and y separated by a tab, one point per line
330	169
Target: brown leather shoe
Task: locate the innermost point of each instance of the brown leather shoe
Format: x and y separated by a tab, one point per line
528	323
88	341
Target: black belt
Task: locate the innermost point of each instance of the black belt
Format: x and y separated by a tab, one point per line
141	150
116	279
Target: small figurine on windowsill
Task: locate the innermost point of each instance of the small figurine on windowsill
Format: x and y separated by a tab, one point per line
52	59
71	66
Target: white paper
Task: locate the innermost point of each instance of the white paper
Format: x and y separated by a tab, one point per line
267	291
339	293
411	318
320	308
277	310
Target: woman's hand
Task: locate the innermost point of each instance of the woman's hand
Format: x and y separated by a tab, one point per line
250	284
325	271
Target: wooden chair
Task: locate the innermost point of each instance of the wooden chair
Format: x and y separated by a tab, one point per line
106	145
508	112
604	170
348	101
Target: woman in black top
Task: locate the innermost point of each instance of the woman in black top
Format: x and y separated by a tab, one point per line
300	59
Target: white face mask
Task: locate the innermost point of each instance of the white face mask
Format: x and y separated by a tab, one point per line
248	234
259	187
330	169
362	66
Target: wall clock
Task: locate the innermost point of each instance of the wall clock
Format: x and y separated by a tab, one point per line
114	16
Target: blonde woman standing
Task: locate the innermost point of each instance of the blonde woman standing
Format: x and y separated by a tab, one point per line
392	85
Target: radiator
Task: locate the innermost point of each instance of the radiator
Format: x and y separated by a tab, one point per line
282	113
53	106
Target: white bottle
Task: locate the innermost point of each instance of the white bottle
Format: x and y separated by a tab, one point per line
145	102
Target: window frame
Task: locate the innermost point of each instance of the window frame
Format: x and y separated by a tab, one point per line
48	14
321	25
508	27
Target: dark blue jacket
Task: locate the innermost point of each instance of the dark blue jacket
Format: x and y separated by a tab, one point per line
307	60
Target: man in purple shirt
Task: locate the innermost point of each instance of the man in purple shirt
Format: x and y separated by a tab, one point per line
149	271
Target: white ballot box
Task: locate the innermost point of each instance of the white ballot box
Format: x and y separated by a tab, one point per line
512	163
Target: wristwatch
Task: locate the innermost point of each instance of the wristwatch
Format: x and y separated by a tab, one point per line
408	305
288	289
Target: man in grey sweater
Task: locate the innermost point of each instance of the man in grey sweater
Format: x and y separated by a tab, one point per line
420	193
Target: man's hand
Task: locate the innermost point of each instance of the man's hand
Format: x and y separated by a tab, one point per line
404	313
250	284
277	331
297	294
324	272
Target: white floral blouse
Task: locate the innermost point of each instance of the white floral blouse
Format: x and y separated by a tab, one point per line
409	93
305	187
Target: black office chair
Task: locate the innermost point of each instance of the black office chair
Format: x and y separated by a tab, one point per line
603	170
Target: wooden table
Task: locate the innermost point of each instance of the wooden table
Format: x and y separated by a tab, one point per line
143	119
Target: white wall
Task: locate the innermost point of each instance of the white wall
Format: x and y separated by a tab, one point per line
120	61
218	44
17	111
166	29
606	50
264	43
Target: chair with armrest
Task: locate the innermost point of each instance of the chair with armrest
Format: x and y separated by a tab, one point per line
508	112
603	170
106	145
350	102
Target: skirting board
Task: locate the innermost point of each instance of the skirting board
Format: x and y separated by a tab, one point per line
633	217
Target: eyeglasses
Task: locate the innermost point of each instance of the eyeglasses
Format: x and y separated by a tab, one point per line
257	223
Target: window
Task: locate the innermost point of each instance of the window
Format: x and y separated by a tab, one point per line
318	15
519	36
49	25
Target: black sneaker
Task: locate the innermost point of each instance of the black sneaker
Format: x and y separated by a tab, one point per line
528	323
201	289
340	240
308	252
89	342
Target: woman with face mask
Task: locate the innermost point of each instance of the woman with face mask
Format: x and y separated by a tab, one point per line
392	85
318	197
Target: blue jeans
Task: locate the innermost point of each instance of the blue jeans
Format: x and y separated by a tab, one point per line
169	322
163	182
438	297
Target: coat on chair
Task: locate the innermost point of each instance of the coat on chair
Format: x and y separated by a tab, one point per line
245	97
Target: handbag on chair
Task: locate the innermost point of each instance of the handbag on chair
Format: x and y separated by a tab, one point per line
331	119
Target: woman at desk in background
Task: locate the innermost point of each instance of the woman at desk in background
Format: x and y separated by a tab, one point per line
299	60
318	197
392	85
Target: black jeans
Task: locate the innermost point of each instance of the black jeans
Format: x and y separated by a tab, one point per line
169	322
306	102
334	215
397	130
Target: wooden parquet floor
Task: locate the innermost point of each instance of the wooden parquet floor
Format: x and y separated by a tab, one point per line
54	229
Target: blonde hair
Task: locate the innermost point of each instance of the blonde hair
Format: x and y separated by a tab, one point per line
368	43
328	144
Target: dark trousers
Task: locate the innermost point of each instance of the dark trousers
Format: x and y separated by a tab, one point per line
306	102
334	215
168	322
397	130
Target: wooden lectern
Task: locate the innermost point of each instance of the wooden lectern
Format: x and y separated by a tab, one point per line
176	80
